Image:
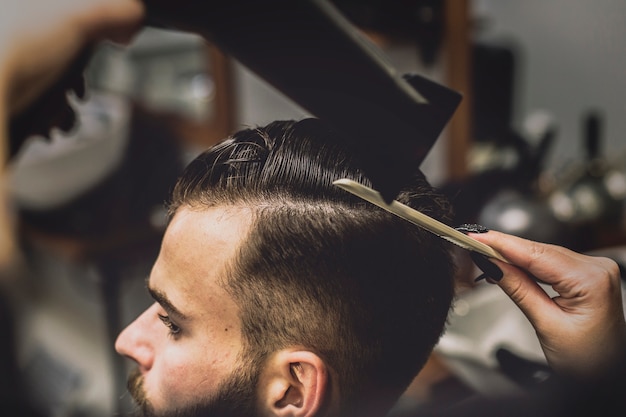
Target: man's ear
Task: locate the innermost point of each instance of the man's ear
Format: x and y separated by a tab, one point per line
294	383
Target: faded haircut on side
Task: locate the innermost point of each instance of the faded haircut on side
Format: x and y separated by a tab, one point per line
366	291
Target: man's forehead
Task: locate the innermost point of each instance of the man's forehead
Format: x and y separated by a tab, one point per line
222	221
198	247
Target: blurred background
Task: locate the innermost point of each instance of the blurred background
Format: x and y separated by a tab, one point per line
535	149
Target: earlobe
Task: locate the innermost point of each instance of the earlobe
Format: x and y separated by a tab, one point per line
294	383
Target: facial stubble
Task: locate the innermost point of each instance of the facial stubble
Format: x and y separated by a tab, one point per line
235	397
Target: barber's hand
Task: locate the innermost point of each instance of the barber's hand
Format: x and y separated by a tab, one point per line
40	38
582	330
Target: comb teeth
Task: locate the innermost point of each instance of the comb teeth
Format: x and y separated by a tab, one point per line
456	242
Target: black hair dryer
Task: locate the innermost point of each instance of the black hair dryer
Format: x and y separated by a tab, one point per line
312	54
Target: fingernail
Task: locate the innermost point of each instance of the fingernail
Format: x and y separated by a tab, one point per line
480	277
486	278
489	269
472	228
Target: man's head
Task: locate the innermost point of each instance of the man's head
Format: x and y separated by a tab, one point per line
295	297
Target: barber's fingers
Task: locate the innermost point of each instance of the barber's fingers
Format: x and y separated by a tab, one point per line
547	262
516	283
581	281
582	331
554	265
524	291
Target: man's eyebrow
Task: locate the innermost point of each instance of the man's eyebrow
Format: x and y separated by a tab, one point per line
167	305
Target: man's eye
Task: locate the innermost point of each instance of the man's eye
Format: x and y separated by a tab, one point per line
173	328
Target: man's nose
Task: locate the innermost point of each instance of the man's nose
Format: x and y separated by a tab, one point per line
135	341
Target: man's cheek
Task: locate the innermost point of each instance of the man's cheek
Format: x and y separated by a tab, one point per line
172	388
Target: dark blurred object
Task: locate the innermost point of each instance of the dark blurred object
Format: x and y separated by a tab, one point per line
581	208
52	109
493	83
312	54
545	394
507	198
551	399
526	373
505	193
590	199
492	80
416	21
585	199
519	206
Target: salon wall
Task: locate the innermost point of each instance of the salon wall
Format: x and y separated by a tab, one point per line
572	59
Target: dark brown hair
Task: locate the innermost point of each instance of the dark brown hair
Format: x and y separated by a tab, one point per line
365	290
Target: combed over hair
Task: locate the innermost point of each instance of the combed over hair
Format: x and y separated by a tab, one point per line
366	291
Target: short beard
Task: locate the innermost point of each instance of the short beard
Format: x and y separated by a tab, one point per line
235	397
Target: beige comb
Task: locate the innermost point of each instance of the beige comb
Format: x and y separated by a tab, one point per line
407	213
